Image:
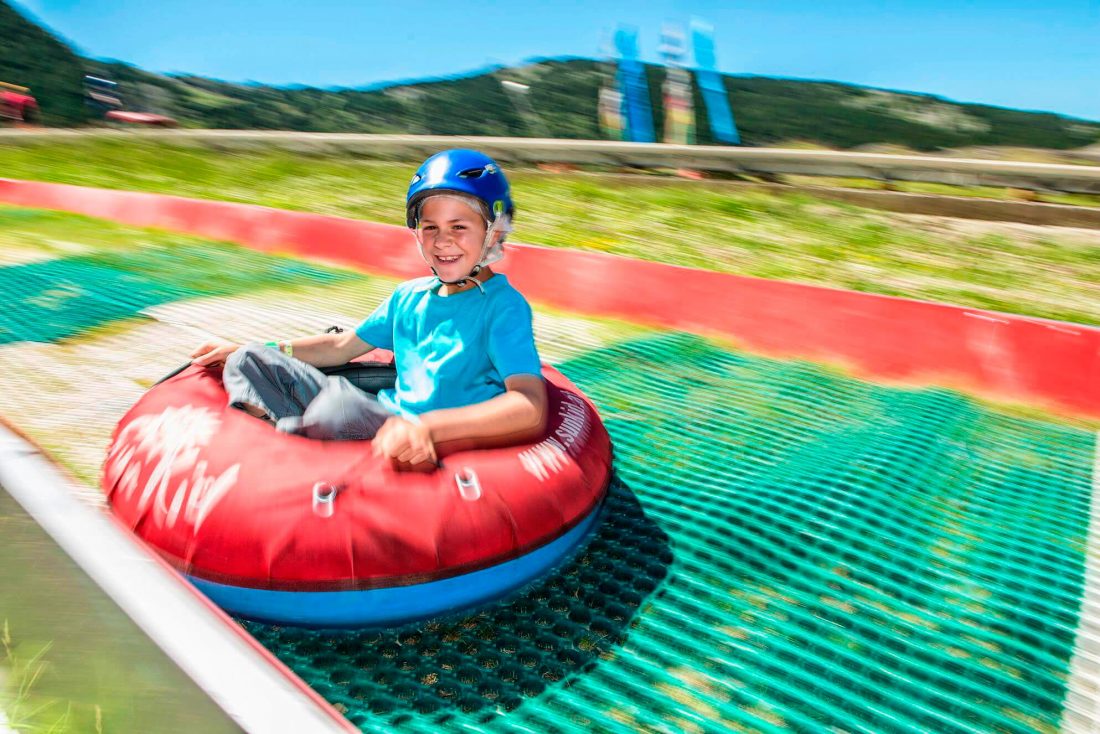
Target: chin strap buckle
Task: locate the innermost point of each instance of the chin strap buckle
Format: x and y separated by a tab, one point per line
462	281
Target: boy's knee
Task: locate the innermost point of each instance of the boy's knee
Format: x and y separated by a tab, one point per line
337	413
327	420
327	408
247	354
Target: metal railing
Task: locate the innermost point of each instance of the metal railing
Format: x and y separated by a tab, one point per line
762	162
122	632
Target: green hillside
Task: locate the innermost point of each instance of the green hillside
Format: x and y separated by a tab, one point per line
32	57
845	116
561	91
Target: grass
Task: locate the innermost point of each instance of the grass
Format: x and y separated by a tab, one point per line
29	234
1017	269
24	709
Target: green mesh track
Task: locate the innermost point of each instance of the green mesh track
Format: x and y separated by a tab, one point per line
784	548
56	299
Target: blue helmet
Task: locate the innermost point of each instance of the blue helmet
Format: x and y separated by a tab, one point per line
461	171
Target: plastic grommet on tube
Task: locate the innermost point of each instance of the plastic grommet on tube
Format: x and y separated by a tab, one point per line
324	499
469	486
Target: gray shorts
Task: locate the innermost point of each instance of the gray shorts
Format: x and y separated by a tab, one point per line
299	398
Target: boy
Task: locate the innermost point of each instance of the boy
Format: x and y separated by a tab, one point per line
467	369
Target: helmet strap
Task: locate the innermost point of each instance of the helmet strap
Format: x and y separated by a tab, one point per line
472	277
473	273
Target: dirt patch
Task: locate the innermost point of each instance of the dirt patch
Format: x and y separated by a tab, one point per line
962	229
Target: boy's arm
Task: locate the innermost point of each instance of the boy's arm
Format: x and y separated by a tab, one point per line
323	350
517	416
328	350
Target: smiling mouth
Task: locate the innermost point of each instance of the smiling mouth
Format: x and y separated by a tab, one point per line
448	259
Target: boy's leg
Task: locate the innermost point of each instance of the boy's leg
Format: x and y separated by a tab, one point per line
268	379
340	412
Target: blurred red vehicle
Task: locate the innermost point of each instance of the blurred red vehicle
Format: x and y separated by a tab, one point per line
17	105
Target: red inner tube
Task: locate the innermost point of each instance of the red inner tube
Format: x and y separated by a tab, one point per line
224	497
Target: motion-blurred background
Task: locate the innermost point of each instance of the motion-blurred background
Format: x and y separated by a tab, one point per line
790	543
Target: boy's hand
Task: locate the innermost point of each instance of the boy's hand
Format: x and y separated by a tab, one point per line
213	353
407	445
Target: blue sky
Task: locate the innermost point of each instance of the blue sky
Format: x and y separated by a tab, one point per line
1042	55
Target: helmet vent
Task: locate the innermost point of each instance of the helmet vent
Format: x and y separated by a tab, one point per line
472	172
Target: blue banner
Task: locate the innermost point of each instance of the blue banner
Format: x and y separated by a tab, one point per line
711	86
635	90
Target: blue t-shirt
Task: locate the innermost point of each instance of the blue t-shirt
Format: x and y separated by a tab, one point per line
455	350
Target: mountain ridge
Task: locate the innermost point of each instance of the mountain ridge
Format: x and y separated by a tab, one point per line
562	92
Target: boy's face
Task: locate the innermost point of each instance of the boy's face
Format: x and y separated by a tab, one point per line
452	235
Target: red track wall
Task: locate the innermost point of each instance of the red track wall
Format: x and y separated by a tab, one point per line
1048	363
